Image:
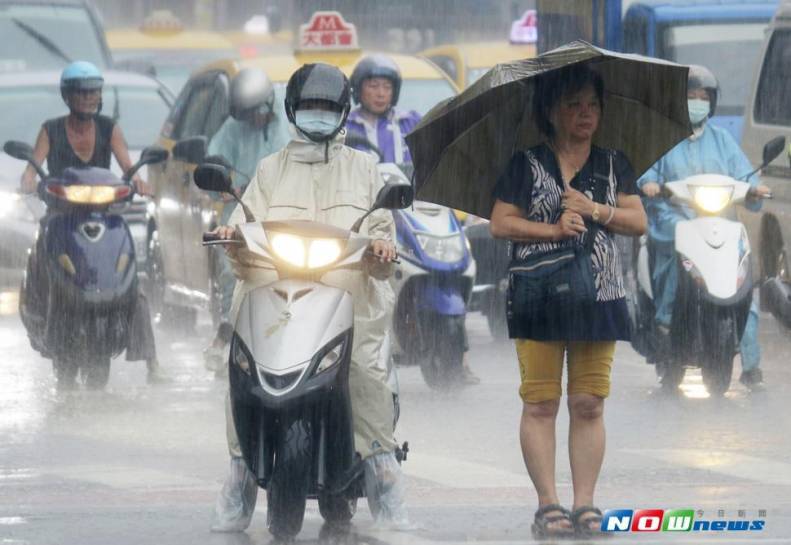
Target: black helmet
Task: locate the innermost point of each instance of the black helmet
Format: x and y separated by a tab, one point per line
376	66
700	77
318	81
250	90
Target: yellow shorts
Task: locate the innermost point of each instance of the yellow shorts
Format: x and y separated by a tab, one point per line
541	368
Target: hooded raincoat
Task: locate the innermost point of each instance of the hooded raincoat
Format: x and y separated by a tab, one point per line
332	184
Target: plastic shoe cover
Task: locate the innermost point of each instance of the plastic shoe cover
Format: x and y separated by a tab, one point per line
384	487
236	502
214	358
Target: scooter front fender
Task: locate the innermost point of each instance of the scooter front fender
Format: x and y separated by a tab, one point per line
285	323
91	257
715	249
445	300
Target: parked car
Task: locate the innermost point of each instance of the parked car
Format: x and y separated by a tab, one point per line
768	115
48	34
181	269
27	99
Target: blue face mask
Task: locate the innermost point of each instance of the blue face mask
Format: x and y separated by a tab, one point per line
317	121
698	110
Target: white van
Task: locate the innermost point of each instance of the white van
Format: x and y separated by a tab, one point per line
768	115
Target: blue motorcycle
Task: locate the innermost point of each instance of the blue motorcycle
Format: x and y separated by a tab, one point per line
433	283
80	291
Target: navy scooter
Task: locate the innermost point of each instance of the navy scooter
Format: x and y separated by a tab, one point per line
433	284
80	312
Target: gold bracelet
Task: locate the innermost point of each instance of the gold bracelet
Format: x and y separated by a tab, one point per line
610	217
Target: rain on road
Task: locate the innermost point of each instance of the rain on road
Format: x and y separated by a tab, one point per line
143	464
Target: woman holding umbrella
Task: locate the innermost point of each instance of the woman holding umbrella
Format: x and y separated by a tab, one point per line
549	148
559	193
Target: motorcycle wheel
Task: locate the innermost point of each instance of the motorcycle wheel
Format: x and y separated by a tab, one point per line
718	365
65	373
337	508
96	373
441	366
287	491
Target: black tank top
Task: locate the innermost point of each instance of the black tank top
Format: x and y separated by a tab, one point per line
61	155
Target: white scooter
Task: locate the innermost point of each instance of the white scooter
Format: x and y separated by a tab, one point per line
714	283
289	362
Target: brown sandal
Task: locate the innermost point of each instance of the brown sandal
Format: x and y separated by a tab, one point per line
590	526
545	524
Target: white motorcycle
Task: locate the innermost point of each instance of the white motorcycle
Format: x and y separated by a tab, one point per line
715	283
289	362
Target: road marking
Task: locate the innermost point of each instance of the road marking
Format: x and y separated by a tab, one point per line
460	474
727	463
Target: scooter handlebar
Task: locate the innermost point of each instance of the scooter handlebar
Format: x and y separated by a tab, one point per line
369	254
753	194
211	239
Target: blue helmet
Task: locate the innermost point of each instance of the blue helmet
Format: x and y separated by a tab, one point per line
80	75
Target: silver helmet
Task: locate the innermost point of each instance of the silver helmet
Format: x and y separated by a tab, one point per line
251	90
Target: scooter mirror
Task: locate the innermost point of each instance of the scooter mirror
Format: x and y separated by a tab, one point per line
391	197
23	152
394	196
153	154
218	160
773	148
213	177
191	150
18	150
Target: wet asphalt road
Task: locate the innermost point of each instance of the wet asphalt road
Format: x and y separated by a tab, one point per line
141	464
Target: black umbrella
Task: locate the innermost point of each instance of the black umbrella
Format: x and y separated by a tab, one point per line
463	144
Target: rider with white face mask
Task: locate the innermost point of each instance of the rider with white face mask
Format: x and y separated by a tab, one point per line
317	178
709	150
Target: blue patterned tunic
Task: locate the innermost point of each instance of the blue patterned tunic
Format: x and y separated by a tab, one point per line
533	182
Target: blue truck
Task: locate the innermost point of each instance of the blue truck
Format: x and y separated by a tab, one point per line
724	35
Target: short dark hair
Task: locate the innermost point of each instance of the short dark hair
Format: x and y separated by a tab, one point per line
559	83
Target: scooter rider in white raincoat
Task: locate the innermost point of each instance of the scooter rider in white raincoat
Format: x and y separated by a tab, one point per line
315	177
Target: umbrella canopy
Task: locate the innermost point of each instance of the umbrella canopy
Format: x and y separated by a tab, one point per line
462	146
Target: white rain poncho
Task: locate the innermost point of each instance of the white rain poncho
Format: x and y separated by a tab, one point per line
333	184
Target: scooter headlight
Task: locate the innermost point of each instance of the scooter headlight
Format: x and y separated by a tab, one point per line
322	252
89	194
711	198
315	254
448	249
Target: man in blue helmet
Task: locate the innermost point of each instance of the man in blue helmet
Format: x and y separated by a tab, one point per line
84	138
376	86
710	150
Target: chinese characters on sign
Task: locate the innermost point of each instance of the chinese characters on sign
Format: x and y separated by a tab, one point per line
327	30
